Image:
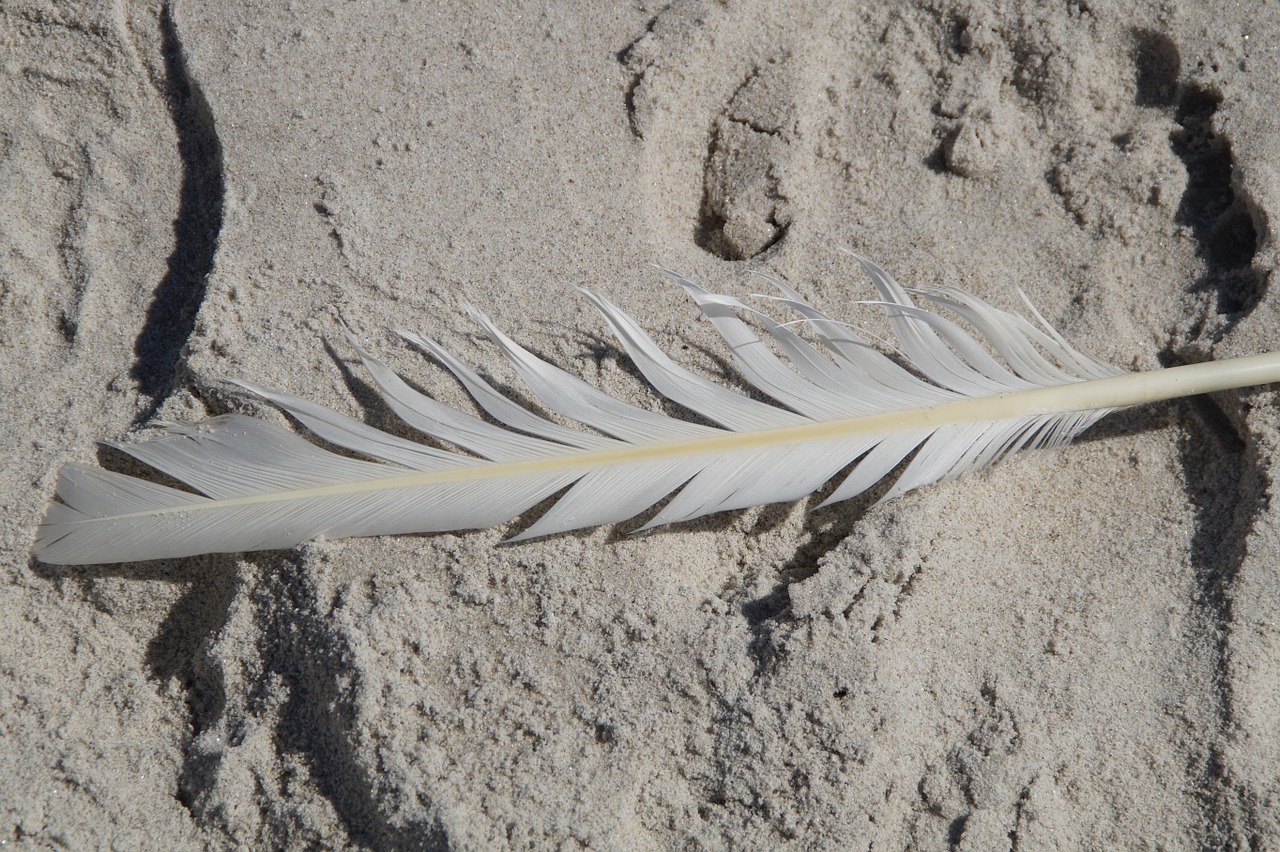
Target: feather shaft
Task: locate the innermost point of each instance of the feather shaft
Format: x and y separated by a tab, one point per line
1095	394
265	487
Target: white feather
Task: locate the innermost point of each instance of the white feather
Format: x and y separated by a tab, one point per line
957	409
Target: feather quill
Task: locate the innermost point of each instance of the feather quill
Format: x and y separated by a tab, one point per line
844	405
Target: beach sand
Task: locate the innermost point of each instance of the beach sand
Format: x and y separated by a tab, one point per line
1074	649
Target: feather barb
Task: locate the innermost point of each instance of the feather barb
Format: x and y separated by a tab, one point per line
839	404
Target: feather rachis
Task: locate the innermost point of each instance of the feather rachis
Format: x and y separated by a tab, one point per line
265	487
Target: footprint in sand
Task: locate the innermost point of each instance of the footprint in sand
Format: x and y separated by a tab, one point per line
713	102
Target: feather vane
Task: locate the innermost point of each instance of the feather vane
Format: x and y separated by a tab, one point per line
841	404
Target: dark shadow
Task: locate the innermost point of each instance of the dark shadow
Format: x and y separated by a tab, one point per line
1226	484
171	317
180	646
320	718
298	648
1219	221
955	830
936	161
1226	488
1157	66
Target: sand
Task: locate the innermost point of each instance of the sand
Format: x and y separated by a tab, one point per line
1075	649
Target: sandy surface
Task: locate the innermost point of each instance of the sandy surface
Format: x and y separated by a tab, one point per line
1075	649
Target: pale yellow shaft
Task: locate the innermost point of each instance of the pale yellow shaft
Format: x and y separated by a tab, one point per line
1114	392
